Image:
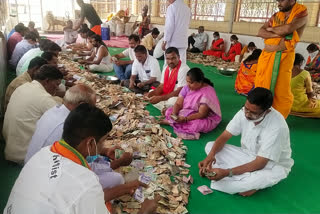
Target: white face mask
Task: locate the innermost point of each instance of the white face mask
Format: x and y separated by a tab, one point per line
215	38
233	42
314	54
259	119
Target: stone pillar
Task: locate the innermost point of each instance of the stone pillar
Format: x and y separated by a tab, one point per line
135	7
155	8
313	11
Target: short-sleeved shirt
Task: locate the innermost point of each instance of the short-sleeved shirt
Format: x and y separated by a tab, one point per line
150	68
50	183
200	39
182	75
129	52
148	41
88	12
269	139
27	104
48	130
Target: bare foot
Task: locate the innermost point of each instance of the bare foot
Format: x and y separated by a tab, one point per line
164	122
248	193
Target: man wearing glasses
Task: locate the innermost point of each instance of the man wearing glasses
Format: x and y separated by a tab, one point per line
264	158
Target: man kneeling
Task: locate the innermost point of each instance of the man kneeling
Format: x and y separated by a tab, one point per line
264	158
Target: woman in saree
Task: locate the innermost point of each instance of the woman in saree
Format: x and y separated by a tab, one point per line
197	108
235	49
247	73
217	46
313	62
304	103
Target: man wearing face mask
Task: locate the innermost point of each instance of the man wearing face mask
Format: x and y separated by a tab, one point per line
281	35
58	178
217	46
313	62
264	158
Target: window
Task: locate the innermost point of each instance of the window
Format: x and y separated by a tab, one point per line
319	17
163	7
126	5
212	10
256	10
104	7
142	3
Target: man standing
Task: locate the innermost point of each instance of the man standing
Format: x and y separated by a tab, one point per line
264	158
172	81
146	72
178	18
281	34
87	11
198	41
123	68
27	104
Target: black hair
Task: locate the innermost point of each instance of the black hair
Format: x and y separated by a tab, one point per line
20	28
261	97
172	50
52	47
196	75
234	37
254	56
251	45
48	56
135	37
216	34
50	72
37	62
140	49
32	36
155	31
84	27
78	127
312	47
298	60
98	38
43	43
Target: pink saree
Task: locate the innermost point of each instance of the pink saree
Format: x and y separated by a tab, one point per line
192	101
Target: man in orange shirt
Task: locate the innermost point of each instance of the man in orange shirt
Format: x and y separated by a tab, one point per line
281	34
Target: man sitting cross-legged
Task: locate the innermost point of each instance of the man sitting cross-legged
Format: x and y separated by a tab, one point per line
264	158
146	72
172	81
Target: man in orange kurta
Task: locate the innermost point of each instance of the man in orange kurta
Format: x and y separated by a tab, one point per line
281	34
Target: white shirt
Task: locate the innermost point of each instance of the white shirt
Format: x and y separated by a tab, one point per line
178	18
182	75
70	36
150	68
200	39
48	130
27	104
129	52
27	57
269	139
52	184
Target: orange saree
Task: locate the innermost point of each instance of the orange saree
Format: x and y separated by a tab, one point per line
245	78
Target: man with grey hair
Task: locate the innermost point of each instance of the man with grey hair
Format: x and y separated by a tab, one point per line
50	126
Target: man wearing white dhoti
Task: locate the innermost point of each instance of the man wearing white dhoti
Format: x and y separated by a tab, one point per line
264	158
178	18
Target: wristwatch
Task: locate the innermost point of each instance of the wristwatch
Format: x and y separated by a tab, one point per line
230	172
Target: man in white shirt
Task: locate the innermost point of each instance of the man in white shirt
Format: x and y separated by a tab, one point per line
123	68
178	18
264	158
146	72
58	179
27	104
198	41
172	81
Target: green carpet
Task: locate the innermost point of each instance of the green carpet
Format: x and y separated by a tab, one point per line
297	194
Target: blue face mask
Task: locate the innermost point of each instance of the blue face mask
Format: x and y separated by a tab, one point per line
92	158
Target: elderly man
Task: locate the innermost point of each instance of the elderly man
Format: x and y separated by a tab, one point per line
28	43
281	34
147	69
178	18
172	81
28	76
123	67
27	104
64	182
264	158
198	41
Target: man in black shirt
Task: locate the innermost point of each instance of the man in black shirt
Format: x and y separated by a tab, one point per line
88	12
